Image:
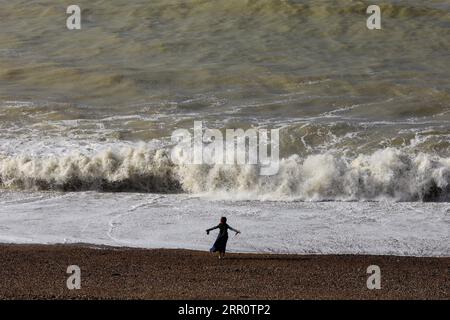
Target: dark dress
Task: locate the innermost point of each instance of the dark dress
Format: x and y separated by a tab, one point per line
221	241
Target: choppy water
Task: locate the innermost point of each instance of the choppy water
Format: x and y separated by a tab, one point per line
364	114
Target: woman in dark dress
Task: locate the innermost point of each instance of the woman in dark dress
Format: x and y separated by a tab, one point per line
220	245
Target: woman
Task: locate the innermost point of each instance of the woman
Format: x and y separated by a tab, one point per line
221	242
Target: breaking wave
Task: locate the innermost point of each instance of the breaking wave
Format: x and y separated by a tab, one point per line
385	174
136	170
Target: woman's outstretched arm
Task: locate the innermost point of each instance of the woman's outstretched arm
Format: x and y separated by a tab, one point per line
232	229
210	229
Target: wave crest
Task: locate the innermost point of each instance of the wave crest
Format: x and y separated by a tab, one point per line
385	174
128	170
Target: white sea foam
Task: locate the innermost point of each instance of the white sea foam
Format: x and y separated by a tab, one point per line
385	174
179	221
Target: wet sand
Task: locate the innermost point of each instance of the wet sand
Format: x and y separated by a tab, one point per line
39	272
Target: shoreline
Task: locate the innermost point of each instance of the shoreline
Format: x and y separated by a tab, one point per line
94	246
39	272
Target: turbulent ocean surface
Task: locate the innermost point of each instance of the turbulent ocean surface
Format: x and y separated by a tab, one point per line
364	115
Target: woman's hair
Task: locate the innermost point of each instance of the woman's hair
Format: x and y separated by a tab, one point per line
223	220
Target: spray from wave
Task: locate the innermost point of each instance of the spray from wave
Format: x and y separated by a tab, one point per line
137	170
385	174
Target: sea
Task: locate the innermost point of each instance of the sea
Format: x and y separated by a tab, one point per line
87	118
